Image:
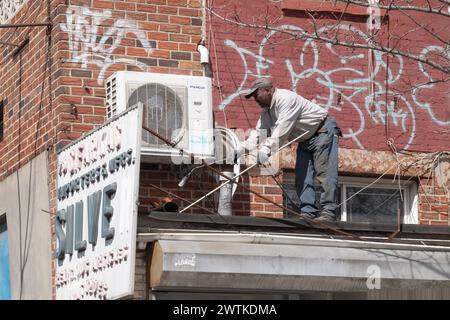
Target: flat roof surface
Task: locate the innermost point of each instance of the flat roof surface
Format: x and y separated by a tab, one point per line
408	234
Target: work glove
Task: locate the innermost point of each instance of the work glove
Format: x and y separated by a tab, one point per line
262	156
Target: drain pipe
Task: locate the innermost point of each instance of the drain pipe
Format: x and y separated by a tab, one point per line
228	171
226	192
225	207
204	57
201	46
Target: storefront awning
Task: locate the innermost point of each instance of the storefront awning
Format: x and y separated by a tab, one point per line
238	261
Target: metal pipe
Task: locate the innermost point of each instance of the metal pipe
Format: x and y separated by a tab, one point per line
284	192
229	236
25	25
326	226
249	168
170	143
225	196
286	208
9	44
399	229
185	179
180	198
217	188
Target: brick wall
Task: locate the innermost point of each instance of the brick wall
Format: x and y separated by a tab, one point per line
168	177
140	276
91	39
47	108
244	203
247	203
336	78
94	39
433	202
24	89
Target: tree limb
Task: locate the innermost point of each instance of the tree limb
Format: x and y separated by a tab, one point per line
430	9
316	36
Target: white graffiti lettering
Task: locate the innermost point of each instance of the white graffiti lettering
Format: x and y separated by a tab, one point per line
426	105
88	47
349	87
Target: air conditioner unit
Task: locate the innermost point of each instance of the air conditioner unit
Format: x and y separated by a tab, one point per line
177	107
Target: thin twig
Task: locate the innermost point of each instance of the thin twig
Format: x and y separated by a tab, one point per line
316	36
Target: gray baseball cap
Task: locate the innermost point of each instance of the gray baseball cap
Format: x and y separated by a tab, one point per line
258	83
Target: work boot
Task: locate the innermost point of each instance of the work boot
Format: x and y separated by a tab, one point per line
307	215
326	216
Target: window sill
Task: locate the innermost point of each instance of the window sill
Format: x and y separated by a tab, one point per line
326	6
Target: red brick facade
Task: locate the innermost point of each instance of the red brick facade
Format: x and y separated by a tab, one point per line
46	108
89	41
25	90
336	77
351	83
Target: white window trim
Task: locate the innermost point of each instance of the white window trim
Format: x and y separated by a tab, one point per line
410	204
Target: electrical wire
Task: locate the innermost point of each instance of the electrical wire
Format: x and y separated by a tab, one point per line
235	145
386	125
250	125
46	68
240	97
219	86
24	247
18	181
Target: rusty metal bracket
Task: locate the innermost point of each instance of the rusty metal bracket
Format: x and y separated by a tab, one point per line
180	198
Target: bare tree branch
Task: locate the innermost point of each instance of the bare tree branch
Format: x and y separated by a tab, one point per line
433	34
296	34
417	86
429	9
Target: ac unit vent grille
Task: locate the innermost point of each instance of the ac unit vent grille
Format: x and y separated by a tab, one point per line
163	112
111	97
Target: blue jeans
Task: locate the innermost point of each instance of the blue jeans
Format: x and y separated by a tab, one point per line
317	157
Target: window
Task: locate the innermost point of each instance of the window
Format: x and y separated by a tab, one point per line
5	286
326	6
379	203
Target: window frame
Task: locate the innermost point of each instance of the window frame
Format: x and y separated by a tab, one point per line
328	6
409	187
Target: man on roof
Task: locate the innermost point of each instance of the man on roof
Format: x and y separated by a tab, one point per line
284	116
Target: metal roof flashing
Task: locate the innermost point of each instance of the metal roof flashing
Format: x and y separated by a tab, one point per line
414	237
233	254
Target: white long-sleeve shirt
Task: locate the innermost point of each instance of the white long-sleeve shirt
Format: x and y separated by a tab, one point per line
288	116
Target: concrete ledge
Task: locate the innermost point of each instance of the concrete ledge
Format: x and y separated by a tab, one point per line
237	266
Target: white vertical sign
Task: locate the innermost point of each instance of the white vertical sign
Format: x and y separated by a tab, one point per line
98	186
